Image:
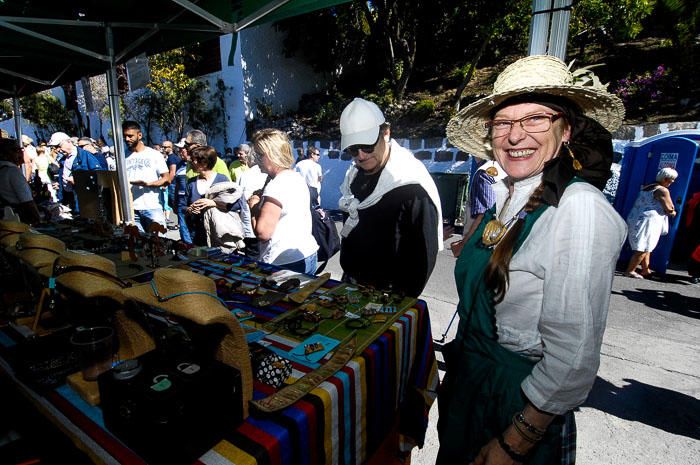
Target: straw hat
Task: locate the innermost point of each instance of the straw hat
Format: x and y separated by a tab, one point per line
193	296
86	274
537	74
37	250
10	232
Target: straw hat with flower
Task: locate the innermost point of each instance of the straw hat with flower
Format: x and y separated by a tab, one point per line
537	74
10	232
37	250
193	296
86	274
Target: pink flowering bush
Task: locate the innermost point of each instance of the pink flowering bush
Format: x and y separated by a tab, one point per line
650	87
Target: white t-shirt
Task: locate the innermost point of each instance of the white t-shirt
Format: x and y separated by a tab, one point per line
311	172
13	186
146	165
250	181
292	240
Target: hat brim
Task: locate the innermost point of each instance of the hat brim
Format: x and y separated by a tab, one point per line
9	240
466	129
367	137
34	258
86	285
199	308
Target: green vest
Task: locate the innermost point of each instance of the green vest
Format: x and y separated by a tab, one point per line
481	389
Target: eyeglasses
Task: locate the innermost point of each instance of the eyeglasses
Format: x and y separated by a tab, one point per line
531	124
354	150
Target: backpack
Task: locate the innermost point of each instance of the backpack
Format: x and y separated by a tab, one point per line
326	235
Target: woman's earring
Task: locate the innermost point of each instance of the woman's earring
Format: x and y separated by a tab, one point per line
577	164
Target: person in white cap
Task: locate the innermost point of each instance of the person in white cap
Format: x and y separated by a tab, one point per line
75	159
393	229
65	148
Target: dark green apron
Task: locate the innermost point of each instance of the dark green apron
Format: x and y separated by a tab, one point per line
481	389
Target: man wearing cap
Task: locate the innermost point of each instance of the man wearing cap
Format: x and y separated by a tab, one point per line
310	170
65	149
147	172
393	228
238	166
76	158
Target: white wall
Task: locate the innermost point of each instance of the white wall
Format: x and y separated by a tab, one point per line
271	77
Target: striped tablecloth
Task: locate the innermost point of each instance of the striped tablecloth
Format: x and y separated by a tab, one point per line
342	421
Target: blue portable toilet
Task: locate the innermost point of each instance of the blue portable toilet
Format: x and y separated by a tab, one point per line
641	161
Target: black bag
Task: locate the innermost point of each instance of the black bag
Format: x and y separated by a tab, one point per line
323	230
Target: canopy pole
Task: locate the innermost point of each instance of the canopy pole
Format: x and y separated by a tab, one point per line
18	119
117	134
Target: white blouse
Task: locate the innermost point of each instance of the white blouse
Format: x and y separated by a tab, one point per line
556	305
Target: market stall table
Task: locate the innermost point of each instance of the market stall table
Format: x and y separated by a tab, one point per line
341	421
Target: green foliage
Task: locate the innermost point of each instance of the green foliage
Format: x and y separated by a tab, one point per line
458	73
175	99
423	109
6	110
47	113
621	20
685	15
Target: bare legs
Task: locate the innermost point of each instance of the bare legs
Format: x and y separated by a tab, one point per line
638	259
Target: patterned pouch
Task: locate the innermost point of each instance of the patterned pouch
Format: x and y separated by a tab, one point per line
268	367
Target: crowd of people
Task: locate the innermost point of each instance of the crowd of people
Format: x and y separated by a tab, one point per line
534	269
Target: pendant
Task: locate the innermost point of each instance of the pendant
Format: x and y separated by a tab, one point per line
491	171
493	233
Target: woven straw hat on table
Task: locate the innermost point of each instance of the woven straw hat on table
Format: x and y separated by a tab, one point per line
84	282
193	296
10	232
537	74
37	250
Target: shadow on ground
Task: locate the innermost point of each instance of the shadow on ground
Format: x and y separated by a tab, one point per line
667	301
670	411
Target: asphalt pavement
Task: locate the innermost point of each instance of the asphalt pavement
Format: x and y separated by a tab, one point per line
644	408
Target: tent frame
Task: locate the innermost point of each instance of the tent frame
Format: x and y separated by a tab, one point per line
112	58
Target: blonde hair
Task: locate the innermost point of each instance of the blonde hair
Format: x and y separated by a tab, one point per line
275	144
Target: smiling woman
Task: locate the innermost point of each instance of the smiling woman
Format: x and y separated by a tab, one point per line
534	279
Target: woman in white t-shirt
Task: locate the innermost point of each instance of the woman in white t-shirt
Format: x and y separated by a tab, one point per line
280	213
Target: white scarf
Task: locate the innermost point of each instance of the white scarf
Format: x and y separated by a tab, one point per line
401	169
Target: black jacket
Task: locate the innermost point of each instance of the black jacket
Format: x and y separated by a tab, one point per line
395	243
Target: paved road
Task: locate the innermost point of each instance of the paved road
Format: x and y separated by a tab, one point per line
644	408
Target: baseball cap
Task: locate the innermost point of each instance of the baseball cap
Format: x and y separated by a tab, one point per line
182	142
57	138
359	123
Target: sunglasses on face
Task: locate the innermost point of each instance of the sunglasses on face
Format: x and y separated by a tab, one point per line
354	150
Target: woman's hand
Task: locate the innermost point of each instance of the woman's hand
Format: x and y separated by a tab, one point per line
493	454
200	205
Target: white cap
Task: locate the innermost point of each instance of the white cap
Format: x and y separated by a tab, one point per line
57	138
359	123
181	144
